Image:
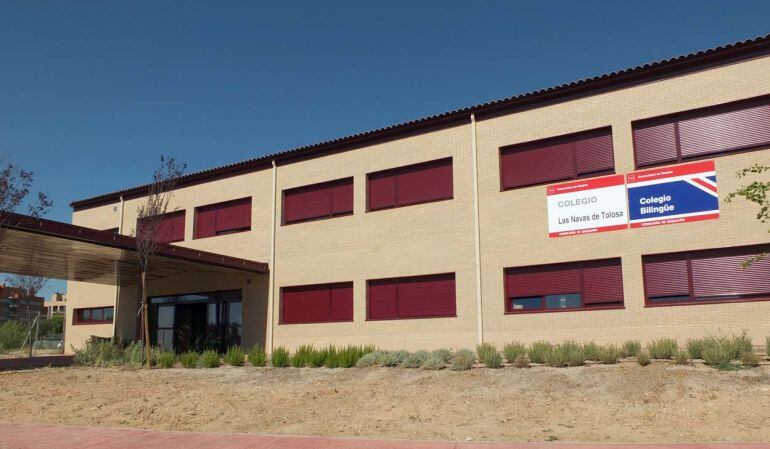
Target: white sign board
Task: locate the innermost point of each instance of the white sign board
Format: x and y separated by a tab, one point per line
587	206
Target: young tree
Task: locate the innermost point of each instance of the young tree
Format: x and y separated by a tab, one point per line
150	215
15	184
756	192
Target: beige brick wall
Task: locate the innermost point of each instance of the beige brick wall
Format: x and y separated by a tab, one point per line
439	237
514	223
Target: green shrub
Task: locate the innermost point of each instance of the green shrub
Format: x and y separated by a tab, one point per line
303	356
631	348
434	362
568	353
443	354
99	353
643	358
749	360
189	359
609	354
210	359
485	351
349	355
662	348
718	352
682	358
367	360
257	356
387	358
514	349
318	358
280	357
165	359
538	351
592	351
489	356
12	334
332	358
132	354
400	355
521	361
234	356
739	344
462	360
695	348
416	359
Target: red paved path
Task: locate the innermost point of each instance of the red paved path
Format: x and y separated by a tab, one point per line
52	436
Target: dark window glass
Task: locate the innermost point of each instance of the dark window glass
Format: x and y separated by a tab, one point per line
527	303
568	301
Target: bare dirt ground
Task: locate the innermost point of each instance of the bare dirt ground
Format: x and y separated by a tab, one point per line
620	403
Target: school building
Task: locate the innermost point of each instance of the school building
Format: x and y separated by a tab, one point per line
593	210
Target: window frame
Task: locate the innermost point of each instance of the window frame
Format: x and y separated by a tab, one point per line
508	309
570	138
217	232
78	321
330	185
328	286
676	117
406	278
692	299
395	171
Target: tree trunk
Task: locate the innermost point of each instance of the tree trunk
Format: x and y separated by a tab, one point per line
146	316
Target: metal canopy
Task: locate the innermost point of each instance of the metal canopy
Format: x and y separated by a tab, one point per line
58	250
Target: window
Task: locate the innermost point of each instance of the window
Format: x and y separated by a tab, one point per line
707	132
573	156
412	297
706	276
170	229
564	286
412	184
317	303
223	218
93	315
318	201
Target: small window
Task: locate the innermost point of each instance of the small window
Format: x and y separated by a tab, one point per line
170	229
93	315
564	286
713	131
223	218
322	303
706	276
573	156
318	201
412	184
412	297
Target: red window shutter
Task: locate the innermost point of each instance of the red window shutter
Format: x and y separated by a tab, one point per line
342	197
233	216
602	282
594	153
382	299
725	131
666	276
420	183
655	144
170	229
543	280
305	304
528	165
381	190
205	223
307	203
721	273
427	296
341	308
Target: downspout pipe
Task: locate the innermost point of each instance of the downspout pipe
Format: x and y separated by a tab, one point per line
477	231
116	308
271	281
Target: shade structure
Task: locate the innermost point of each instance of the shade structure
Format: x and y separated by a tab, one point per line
57	250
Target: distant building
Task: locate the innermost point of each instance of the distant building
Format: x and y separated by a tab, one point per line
14	305
55	305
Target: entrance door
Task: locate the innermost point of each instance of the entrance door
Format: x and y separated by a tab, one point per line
190	329
165	335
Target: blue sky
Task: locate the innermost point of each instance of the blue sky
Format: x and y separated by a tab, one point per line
92	92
